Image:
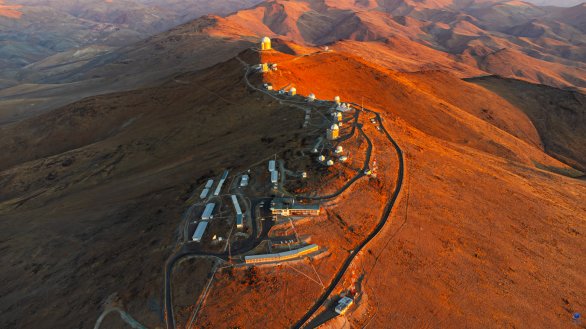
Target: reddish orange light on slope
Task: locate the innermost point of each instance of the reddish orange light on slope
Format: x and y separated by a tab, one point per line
10	11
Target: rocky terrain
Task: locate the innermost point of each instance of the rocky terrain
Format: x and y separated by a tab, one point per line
508	38
32	30
486	99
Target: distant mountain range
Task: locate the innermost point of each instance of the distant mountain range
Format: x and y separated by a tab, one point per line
105	47
559	3
32	30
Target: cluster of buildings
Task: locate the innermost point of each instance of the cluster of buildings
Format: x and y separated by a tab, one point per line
206	216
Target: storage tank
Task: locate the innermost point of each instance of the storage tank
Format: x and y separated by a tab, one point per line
321	158
292	91
330	162
311	97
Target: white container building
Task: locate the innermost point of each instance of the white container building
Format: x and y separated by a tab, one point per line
199	231
208	211
204	193
209	183
244	180
239	217
274	177
221	183
343	305
272	165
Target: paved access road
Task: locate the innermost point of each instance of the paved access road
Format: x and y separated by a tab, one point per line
188	249
385	217
191	250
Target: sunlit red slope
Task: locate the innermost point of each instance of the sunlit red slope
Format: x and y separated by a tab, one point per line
10	11
509	38
482	236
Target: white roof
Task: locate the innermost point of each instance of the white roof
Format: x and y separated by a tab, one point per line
274	176
199	231
207	212
266	39
335	127
236	205
204	193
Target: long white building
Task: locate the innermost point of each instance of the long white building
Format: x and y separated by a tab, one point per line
208	211
239	217
199	231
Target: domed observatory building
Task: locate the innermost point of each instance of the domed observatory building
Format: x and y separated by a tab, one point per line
265	43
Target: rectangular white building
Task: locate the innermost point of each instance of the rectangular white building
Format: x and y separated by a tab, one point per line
244	180
208	211
204	193
199	231
221	183
274	177
272	165
239	217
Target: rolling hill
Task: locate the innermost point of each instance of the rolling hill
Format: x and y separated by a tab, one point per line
489	229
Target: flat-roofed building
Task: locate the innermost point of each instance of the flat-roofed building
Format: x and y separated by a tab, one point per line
221	183
239	217
208	211
244	180
282	256
274	177
199	231
288	207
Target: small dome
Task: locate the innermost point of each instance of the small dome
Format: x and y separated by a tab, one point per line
266	39
343	158
339	149
334	127
321	158
330	163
